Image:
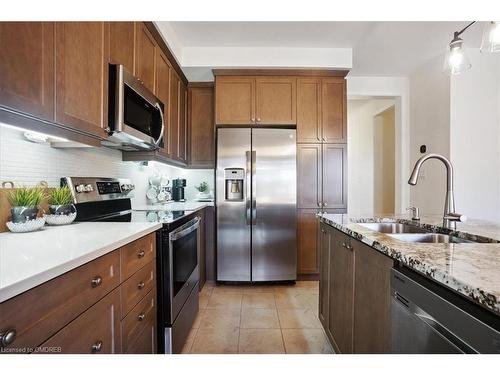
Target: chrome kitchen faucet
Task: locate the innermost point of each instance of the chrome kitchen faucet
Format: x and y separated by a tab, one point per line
450	217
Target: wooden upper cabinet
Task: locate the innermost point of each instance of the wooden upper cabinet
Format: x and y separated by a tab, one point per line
334	176
307	242
162	89
309	176
81	51
309	110
122	44
27	67
145	56
182	143
173	140
235	100
276	100
201	127
333	110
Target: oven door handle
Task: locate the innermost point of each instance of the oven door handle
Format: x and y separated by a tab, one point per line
185	229
157	142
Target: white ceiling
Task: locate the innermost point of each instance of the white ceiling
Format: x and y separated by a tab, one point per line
378	48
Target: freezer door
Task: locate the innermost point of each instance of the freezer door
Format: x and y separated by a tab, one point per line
233	214
274	223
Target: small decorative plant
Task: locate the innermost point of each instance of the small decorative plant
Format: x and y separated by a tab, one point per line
25	202
27	197
202	187
61	196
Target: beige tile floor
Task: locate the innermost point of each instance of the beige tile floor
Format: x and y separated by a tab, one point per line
269	319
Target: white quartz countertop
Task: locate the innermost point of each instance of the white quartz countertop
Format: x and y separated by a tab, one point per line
30	259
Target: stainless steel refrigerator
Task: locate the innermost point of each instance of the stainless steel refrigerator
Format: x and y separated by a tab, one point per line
256	204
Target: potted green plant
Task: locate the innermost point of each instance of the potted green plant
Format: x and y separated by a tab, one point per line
202	190
25	202
61	208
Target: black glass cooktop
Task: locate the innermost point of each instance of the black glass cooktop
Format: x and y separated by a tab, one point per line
159	216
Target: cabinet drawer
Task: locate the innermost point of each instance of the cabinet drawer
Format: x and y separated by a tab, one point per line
142	315
137	286
145	342
95	331
42	311
136	255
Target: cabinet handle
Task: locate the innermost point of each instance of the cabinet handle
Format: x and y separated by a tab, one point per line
141	285
258	119
343	244
7	337
141	317
97	346
349	247
253	119
96	281
141	254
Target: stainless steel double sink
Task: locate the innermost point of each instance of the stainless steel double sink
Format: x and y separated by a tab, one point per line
412	233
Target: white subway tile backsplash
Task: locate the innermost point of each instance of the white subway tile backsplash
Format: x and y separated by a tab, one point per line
28	163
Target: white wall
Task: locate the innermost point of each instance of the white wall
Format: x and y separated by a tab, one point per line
474	135
360	152
397	88
27	163
430	126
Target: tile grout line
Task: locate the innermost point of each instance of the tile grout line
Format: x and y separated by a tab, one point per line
279	323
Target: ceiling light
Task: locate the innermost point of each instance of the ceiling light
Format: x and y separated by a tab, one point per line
491	37
456	60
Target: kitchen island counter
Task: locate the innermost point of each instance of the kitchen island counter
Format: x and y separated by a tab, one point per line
471	269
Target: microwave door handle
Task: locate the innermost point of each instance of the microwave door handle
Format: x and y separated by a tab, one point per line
157	143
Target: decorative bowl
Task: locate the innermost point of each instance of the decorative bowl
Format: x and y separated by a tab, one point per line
27	226
60	219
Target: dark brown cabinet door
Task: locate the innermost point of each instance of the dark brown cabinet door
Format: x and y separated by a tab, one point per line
235	100
175	87
307	242
309	110
276	100
309	175
162	90
372	300
324	277
182	148
122	44
335	176
27	67
202	249
82	75
341	292
333	110
145	56
201	127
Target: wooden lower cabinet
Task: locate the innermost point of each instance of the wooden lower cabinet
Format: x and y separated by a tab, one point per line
97	330
89	310
307	243
354	293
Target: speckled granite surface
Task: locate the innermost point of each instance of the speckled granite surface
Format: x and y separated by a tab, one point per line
471	269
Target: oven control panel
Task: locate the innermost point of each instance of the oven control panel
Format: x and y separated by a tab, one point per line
92	189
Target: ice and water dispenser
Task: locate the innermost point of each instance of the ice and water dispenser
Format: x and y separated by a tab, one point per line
234	178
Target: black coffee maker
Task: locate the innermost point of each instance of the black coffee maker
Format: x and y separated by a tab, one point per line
178	186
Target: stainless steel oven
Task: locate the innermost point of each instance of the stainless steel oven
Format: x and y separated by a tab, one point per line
135	115
178	281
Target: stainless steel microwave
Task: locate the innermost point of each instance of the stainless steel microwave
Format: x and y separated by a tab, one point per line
135	114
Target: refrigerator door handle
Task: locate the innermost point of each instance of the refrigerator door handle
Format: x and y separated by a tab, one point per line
254	188
248	202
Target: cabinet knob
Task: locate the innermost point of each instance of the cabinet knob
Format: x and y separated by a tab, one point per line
253	119
141	254
258	119
96	281
141	285
343	244
7	337
97	346
141	317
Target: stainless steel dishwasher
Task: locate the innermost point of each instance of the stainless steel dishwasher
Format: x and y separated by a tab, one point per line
428	318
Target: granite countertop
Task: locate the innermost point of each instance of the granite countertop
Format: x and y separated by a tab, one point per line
30	259
471	269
